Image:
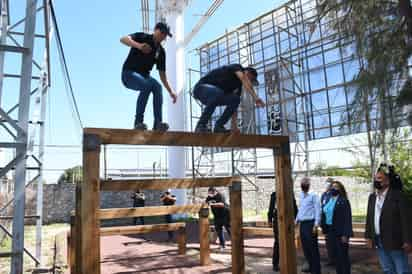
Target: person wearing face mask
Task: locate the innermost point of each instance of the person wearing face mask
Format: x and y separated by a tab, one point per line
324	199
309	219
337	220
145	51
389	224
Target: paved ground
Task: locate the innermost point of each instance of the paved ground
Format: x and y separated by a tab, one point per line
153	254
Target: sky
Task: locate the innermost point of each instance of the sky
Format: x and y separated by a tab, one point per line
90	32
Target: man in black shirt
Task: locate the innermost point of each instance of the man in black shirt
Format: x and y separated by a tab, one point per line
223	87
220	212
138	201
146	50
273	221
168	199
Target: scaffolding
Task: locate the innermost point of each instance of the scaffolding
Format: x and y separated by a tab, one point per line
306	70
24	40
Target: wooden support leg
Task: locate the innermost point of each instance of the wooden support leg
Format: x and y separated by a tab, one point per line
181	240
90	204
76	240
238	259
71	244
204	236
284	200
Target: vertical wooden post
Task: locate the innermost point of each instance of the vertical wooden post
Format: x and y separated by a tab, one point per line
71	244
181	240
236	220
90	203
76	241
284	201
204	236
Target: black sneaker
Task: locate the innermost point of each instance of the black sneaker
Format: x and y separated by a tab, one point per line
221	130
202	129
140	126
276	268
161	127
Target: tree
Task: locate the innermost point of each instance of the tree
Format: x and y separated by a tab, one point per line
401	157
381	31
72	175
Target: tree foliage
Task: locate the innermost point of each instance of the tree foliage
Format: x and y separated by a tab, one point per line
72	175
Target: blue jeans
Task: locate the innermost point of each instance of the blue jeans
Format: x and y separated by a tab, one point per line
310	245
212	96
146	85
392	261
219	224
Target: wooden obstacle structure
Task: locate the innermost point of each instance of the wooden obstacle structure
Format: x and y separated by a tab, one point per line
86	231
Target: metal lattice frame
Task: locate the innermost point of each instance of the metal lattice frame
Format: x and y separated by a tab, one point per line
21	133
305	69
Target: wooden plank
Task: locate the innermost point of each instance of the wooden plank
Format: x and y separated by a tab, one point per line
181	240
140	229
170	138
257	231
236	219
284	201
90	203
204	236
147	211
162	184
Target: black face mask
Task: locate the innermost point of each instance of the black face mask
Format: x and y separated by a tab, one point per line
377	185
305	188
334	192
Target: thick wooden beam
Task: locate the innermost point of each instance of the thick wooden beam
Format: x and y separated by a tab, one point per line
140	229
90	203
162	184
236	219
170	138
114	213
204	236
181	240
284	201
257	231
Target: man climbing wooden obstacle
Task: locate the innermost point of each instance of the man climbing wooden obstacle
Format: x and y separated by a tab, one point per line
223	87
145	51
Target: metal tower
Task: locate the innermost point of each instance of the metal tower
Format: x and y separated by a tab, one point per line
22	42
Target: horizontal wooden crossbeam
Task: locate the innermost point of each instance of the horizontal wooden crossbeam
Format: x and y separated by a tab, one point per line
139	229
114	213
257	231
161	184
170	138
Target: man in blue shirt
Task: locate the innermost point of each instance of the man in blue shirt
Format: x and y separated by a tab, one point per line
309	219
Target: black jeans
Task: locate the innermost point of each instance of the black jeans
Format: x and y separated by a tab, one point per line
169	220
310	245
341	250
219	224
212	96
275	256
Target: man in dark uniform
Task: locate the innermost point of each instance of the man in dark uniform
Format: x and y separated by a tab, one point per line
146	50
168	199
273	221
221	213
138	201
223	87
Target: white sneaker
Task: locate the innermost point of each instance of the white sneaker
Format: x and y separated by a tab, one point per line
221	249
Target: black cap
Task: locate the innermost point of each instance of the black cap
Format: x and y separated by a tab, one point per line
164	28
253	71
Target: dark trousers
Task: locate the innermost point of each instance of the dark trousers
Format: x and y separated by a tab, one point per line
139	221
330	250
219	224
212	96
341	250
146	85
169	220
275	256
310	245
